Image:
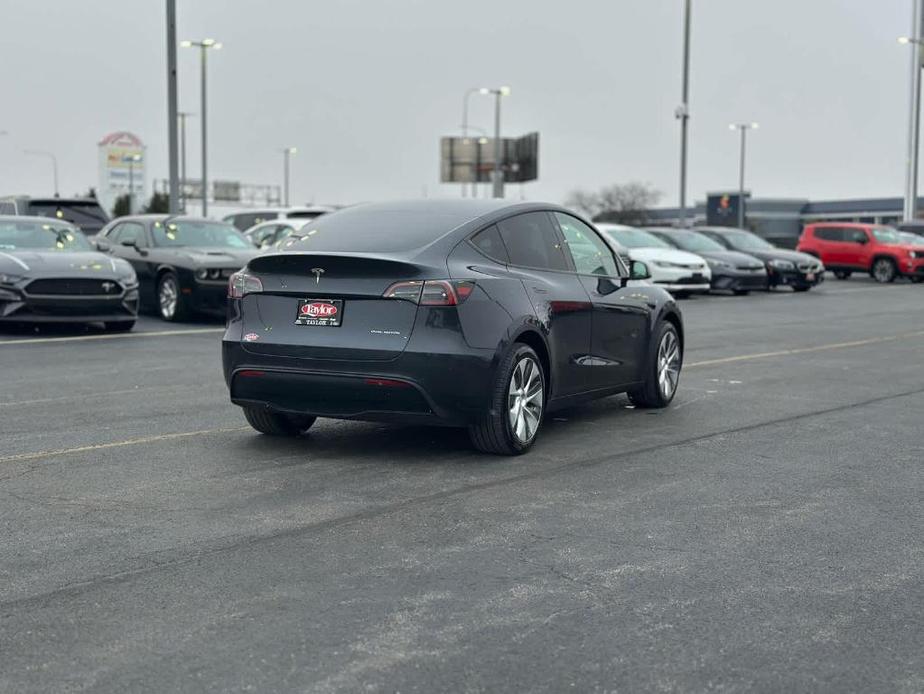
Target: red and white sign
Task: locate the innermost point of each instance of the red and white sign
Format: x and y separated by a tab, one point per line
319	310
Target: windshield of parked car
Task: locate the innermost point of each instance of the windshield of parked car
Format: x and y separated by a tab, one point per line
913	239
636	238
746	241
174	233
887	235
39	236
693	241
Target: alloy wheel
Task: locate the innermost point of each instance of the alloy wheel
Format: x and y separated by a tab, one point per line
167	297
883	270
525	399
668	364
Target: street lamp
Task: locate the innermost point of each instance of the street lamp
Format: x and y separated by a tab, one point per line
743	128
183	115
132	160
286	153
914	114
54	163
497	176
682	113
204	45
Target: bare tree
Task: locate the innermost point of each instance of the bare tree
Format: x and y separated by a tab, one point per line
626	203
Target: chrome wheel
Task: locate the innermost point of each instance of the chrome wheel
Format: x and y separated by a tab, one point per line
524	399
167	297
883	270
668	364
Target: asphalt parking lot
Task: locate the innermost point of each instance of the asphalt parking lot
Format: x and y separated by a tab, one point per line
765	532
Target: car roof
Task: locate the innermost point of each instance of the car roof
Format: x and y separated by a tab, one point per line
722	230
34	218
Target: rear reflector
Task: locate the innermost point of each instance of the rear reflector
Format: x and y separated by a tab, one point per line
387	383
249	373
431	292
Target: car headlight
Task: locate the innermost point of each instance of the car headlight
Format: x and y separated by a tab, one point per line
664	263
716	264
202	273
782	265
9	279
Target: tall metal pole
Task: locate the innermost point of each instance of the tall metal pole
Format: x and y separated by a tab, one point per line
914	115
285	153
744	131
131	185
498	177
172	106
468	94
182	186
683	112
203	50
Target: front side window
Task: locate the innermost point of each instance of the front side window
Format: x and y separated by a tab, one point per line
39	236
178	233
133	232
531	241
590	253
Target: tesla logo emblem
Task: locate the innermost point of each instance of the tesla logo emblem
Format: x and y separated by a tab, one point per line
318	271
108	287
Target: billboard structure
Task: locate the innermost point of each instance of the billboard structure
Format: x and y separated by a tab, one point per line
722	209
471	159
122	165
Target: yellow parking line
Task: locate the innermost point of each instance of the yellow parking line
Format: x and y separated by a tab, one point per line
805	350
117	444
109	336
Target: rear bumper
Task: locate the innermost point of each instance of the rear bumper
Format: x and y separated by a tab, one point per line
415	387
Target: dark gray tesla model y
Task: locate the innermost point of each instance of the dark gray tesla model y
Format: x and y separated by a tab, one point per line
476	313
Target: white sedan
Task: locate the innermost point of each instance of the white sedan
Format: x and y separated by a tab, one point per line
679	272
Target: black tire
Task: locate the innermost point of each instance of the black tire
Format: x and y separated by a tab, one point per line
495	433
277	424
843	274
178	310
651	393
119	326
801	289
742	292
917	279
884	270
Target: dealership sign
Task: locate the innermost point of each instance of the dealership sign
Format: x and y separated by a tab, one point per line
121	165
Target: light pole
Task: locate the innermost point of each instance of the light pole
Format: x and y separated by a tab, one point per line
683	112
204	45
465	127
286	153
183	115
54	163
174	197
497	176
910	210
743	128
132	160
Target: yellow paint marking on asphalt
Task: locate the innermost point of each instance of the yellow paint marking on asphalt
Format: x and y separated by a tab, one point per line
117	444
804	350
109	336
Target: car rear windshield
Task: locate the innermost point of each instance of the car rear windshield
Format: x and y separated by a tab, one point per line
73	211
175	233
636	238
887	235
38	236
385	231
693	241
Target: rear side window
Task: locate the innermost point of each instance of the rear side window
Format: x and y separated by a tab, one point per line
531	241
489	242
829	233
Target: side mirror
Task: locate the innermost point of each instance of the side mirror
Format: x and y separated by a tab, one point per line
102	245
639	271
130	242
862	240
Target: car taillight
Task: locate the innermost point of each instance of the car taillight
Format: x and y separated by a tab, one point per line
431	292
241	283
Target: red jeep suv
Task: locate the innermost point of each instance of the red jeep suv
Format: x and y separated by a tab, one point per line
879	250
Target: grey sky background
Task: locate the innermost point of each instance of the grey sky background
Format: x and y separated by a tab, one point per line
365	88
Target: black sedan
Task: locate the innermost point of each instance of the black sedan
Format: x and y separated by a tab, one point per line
183	263
49	273
785	268
481	314
731	270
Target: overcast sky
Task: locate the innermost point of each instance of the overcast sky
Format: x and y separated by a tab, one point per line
365	88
